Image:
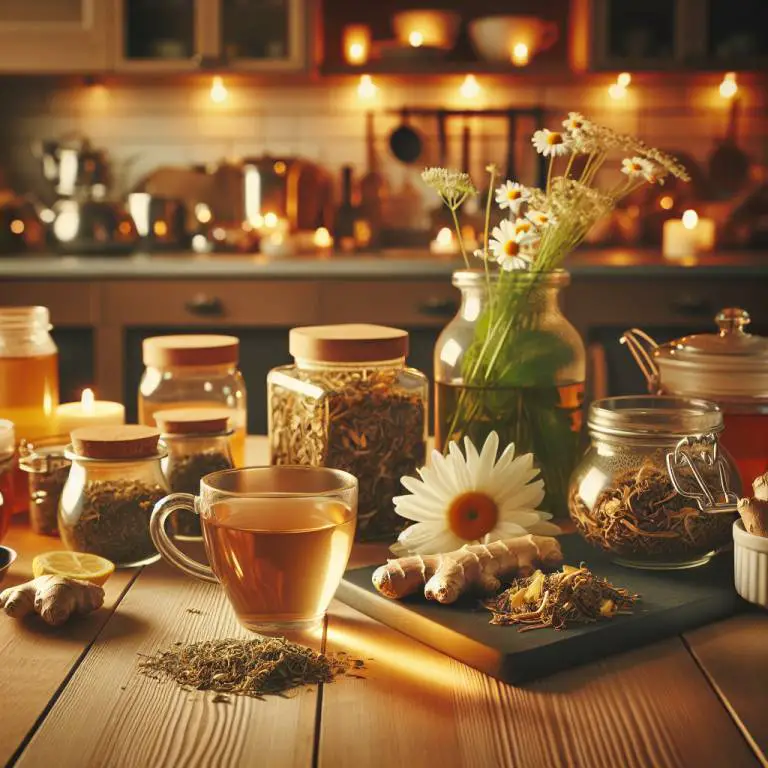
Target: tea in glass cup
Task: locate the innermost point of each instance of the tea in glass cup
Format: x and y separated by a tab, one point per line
278	540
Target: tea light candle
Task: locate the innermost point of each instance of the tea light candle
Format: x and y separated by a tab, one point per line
89	412
357	44
687	236
444	242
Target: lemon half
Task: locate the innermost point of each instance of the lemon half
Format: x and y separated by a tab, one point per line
73	565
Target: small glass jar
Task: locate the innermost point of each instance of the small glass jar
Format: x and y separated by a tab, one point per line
47	467
7	474
195	371
349	402
622	497
198	443
113	485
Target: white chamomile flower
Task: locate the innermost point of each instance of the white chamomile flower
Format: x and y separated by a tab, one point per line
511	195
552	143
523	227
506	245
540	219
634	167
474	498
575	122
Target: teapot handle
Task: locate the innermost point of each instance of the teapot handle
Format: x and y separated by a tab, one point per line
642	346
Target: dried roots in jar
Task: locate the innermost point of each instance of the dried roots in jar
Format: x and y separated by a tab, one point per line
112	520
366	424
642	516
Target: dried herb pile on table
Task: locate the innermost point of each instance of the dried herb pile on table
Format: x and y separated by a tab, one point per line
255	668
557	600
363	422
641	514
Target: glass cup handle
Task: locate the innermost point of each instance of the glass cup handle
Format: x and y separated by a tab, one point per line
163	509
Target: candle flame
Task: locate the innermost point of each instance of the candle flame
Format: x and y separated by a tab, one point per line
690	219
87	400
444	236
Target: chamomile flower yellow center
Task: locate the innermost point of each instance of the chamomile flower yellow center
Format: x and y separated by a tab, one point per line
472	515
511	248
523	225
554	138
513	193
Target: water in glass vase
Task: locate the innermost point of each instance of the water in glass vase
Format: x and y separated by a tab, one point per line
544	420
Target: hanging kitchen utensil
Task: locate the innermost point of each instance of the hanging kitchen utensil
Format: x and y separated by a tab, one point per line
511	137
728	164
442	138
466	140
405	142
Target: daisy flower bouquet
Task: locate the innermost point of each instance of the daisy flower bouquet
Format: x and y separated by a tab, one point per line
510	362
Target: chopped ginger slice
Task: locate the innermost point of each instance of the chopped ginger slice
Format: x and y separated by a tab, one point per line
535	588
518	599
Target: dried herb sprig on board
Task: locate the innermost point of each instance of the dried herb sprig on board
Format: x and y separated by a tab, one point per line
255	668
557	600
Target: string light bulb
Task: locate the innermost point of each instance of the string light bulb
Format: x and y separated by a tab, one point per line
219	91
690	219
470	88
729	87
366	88
520	55
416	39
624	79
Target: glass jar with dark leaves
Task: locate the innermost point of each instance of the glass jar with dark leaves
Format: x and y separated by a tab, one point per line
113	485
655	489
47	467
198	442
349	402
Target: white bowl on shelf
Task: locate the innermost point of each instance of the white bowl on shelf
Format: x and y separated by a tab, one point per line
750	565
495	37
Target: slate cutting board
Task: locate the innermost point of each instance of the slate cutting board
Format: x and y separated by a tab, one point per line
672	602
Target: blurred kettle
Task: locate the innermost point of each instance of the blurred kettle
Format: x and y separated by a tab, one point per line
93	227
73	166
161	222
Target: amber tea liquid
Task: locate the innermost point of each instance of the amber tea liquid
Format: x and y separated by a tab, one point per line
279	559
29	393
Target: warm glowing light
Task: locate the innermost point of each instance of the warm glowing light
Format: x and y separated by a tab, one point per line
624	79
124	228
729	88
666	202
280	167
87	400
367	89
356	44
219	91
444	236
203	213
270	220
219	233
322	238
520	55
47	216
160	228
17	227
470	88
690	219
416	39
616	91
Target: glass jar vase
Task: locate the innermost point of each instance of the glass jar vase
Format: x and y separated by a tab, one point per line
46	467
195	371
510	362
623	497
349	402
114	483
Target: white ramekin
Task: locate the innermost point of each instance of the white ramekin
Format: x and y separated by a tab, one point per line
750	565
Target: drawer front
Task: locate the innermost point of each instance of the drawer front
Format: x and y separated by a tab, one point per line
70	303
413	304
210	303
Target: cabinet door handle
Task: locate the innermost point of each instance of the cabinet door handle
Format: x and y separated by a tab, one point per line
692	306
438	307
205	306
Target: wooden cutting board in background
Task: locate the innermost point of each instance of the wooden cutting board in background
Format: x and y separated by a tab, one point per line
672	602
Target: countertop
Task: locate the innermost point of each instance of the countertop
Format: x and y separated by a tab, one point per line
395	264
73	695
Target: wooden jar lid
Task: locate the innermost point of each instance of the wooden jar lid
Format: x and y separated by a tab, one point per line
351	343
191	349
129	441
193	421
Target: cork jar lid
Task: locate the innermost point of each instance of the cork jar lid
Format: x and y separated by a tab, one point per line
193	421
350	343
128	441
190	349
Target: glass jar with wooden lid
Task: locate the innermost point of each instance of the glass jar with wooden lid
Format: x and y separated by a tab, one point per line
114	483
349	402
194	371
198	443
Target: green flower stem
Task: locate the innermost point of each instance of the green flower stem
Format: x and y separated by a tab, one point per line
459	236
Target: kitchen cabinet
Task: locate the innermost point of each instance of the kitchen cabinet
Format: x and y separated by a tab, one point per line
54	36
224	35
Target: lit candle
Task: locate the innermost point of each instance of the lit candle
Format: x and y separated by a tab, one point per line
520	55
444	242
688	236
89	412
357	44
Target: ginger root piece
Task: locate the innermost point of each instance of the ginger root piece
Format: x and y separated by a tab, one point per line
54	598
479	567
760	487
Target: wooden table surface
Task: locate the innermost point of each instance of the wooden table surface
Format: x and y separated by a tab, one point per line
73	697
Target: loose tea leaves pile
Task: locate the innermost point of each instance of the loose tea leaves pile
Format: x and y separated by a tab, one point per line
641	515
557	600
255	668
367	424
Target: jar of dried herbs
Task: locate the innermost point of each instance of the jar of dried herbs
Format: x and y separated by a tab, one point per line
114	483
623	497
47	467
349	402
198	442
